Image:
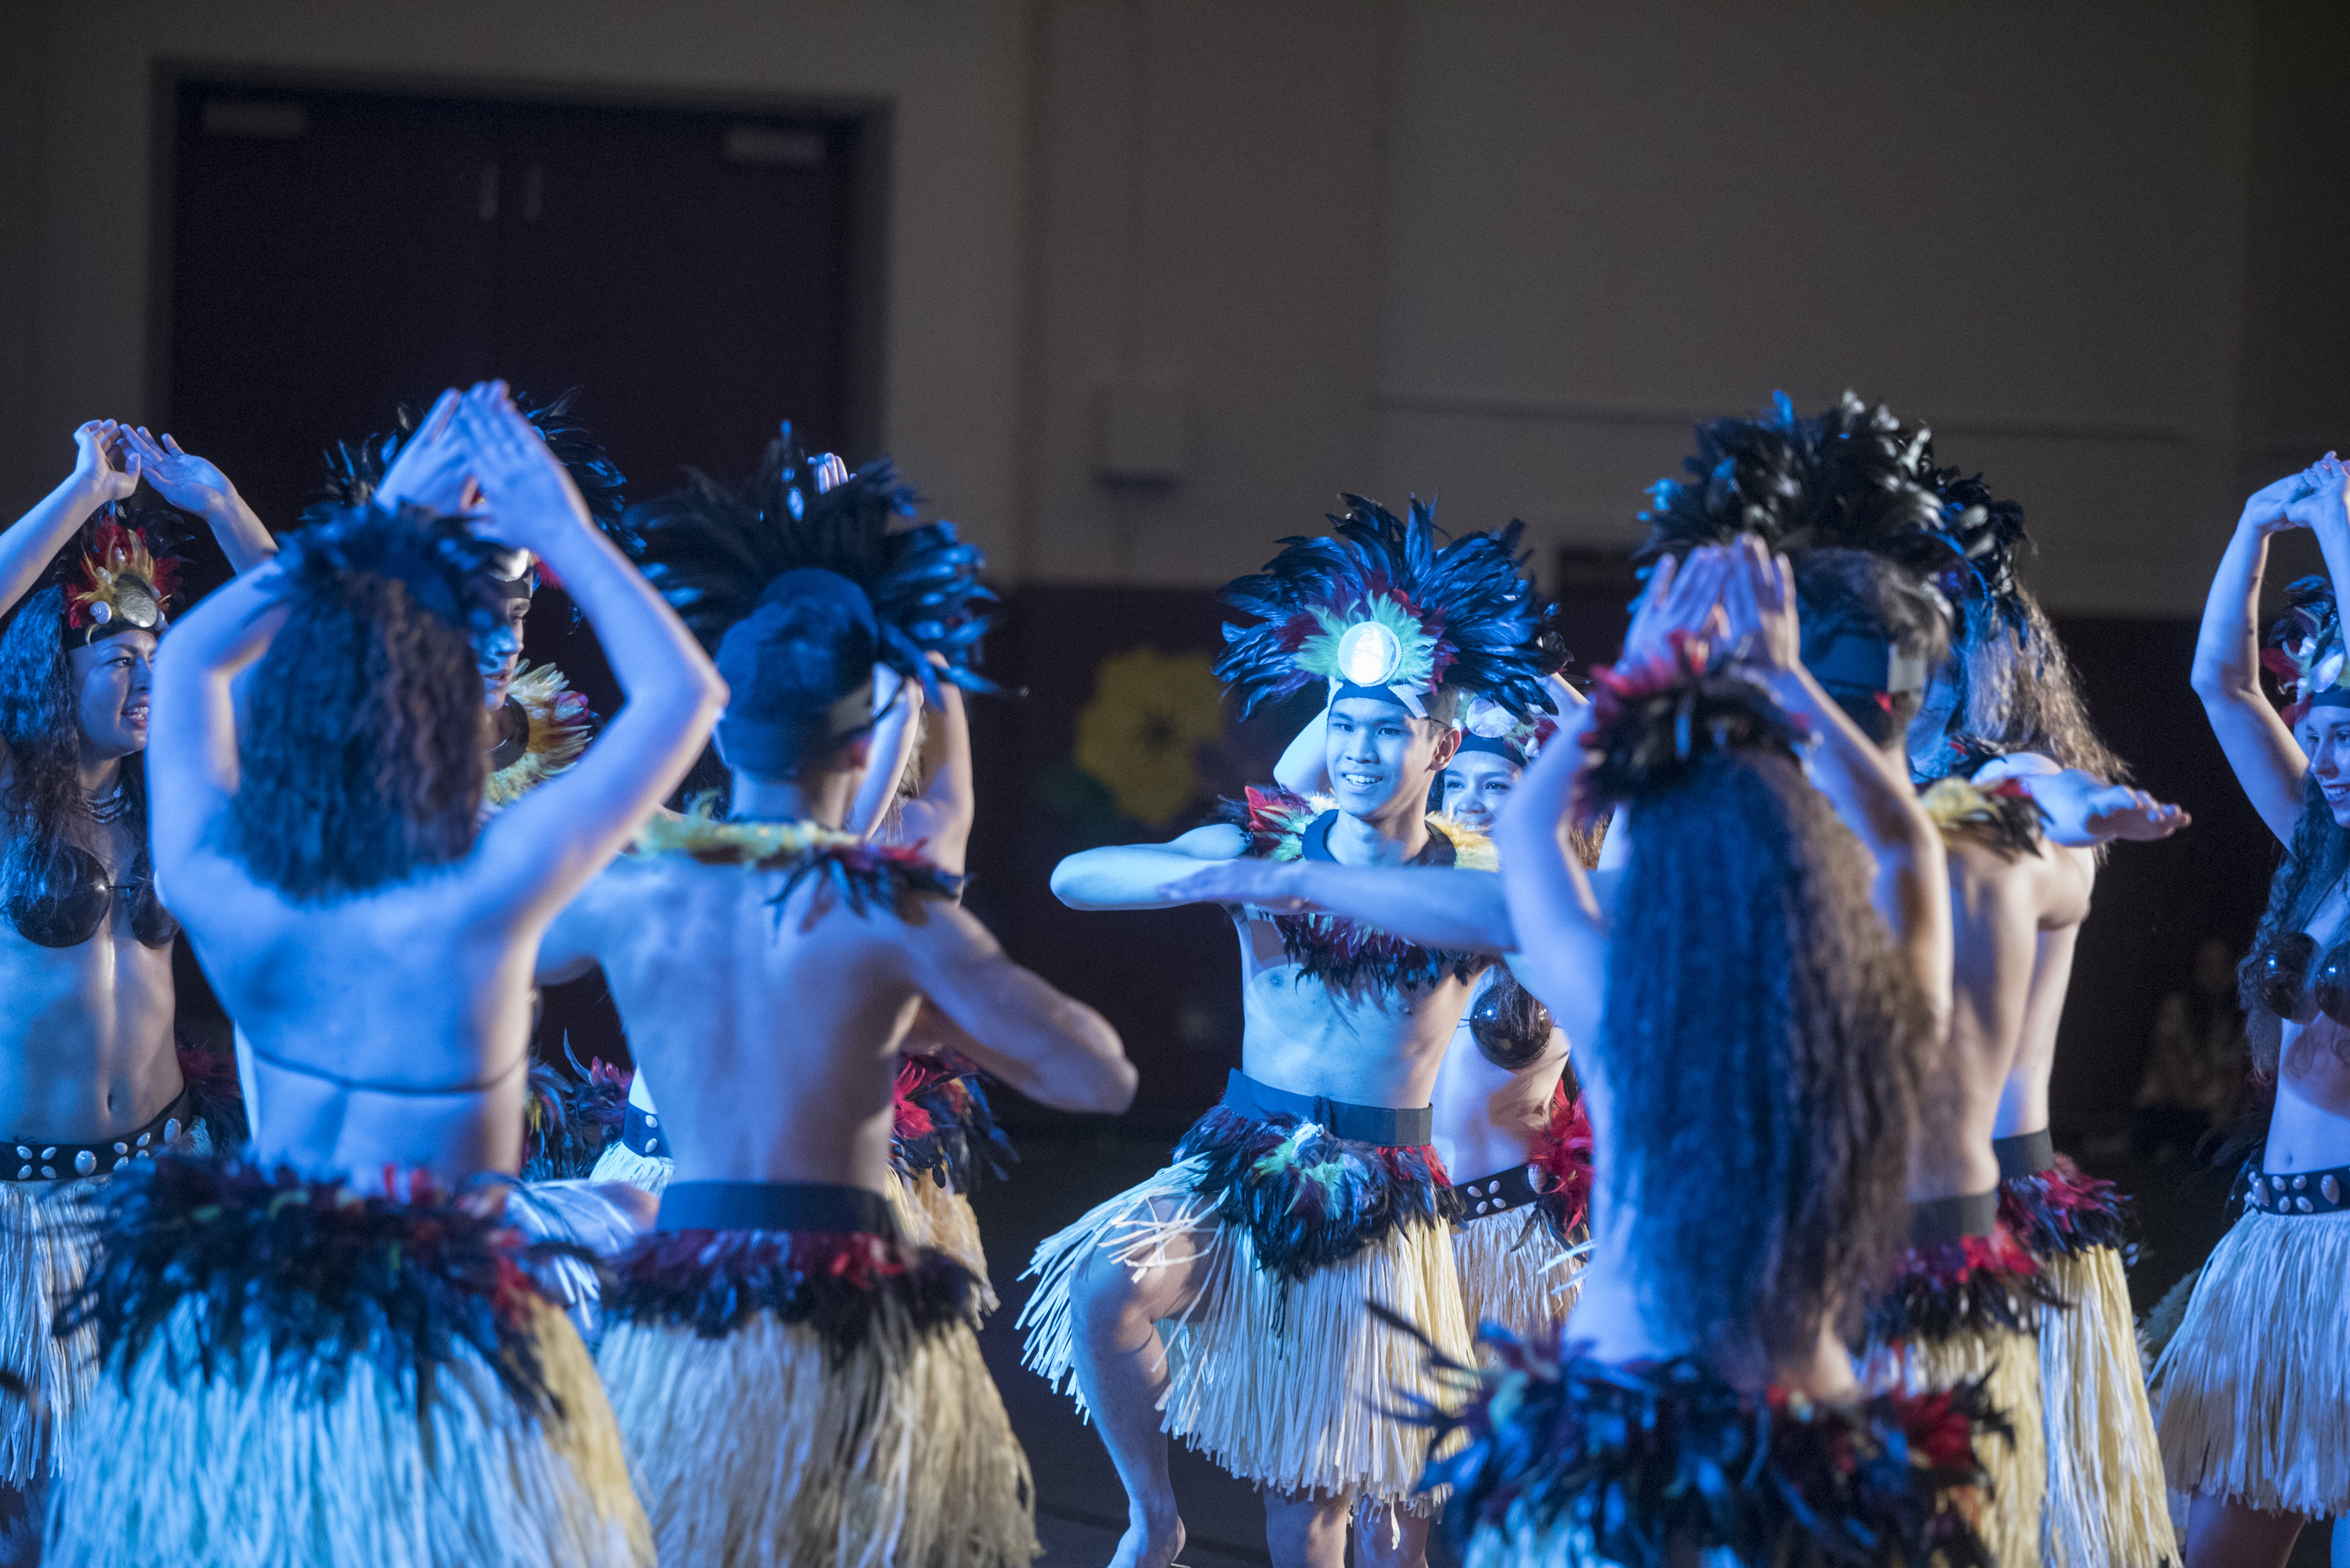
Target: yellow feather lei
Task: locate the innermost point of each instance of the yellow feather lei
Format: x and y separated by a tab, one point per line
560	728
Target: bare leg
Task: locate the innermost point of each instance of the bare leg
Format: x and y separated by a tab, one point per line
1122	1371
2223	1534
1387	1536
1306	1529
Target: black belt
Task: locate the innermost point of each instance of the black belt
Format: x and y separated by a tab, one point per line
774	1206
1939	1221
1504	1190
2025	1154
640	1133
39	1161
2298	1191
1381	1125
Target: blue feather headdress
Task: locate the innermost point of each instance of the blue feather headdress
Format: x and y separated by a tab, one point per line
1386	605
712	550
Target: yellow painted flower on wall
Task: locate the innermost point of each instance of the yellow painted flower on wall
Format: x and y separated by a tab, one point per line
1140	735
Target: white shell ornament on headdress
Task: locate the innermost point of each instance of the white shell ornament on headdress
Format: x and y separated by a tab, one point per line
1486	718
1370	655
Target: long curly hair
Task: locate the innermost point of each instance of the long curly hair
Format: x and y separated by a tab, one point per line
38	722
2313	864
1762	1046
361	751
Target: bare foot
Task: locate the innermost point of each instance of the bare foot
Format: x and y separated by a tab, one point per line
1147	1544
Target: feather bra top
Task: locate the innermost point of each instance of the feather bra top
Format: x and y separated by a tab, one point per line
1345	953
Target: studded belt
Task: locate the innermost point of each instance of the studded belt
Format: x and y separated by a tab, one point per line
36	1160
2297	1192
640	1131
1494	1194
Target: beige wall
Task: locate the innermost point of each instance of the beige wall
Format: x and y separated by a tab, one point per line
1501	251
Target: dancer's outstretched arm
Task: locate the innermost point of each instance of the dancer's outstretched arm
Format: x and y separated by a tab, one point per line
105	469
1136	875
1870	788
543	849
1050	1046
2080	810
1431	905
2269	762
193	485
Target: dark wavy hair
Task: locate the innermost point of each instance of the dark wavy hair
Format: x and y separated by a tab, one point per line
360	750
1763	1048
43	732
2317	859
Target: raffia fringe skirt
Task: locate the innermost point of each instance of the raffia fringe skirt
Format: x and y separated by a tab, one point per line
2012	1522
647	1172
2251	1396
946	1223
245	1469
2105	1497
45	1249
1512	1274
1295	1394
762	1448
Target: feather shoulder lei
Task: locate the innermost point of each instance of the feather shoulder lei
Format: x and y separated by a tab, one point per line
1570	1458
313	1272
846	1286
560	728
868	875
943	1126
2063	1210
2003	817
1341	951
1957	1287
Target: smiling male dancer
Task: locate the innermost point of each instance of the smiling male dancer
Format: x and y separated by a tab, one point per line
794	1382
1313	1187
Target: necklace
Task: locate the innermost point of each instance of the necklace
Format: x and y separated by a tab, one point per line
112	808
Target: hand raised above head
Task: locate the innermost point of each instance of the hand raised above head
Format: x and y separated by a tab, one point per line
2269	508
433	469
1682	597
530	497
2319	500
104	462
829	470
181	477
1764	628
1262	883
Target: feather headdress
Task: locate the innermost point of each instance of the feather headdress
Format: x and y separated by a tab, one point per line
1985	536
1651	720
2304	648
1854	478
353	471
442	565
117	582
1386	604
712	550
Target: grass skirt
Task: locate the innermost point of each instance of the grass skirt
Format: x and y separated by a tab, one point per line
246	1467
2105	1497
942	1218
645	1172
1514	1274
573	1213
2252	1394
2007	1363
1291	1385
43	1251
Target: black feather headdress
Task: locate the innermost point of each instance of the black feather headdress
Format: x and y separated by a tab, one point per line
1383	603
353	471
1854	478
444	566
712	550
1985	537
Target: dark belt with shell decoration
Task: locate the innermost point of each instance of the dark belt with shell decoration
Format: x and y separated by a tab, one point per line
2296	1193
1498	1193
37	1160
640	1133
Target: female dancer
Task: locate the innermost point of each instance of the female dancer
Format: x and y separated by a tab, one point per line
88	1075
2250	1393
1753	1082
325	1355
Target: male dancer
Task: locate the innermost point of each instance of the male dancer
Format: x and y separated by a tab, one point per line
793	1382
1313	1187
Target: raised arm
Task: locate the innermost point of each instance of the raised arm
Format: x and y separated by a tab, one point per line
540	851
104	470
192	763
1305	765
1868	787
1136	875
1051	1047
1433	905
1562	951
940	816
894	735
192	484
2269	764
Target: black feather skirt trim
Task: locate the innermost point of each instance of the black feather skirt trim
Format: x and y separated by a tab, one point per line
943	1127
319	1274
1980	1284
2063	1211
846	1286
1309	1200
1573	1459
